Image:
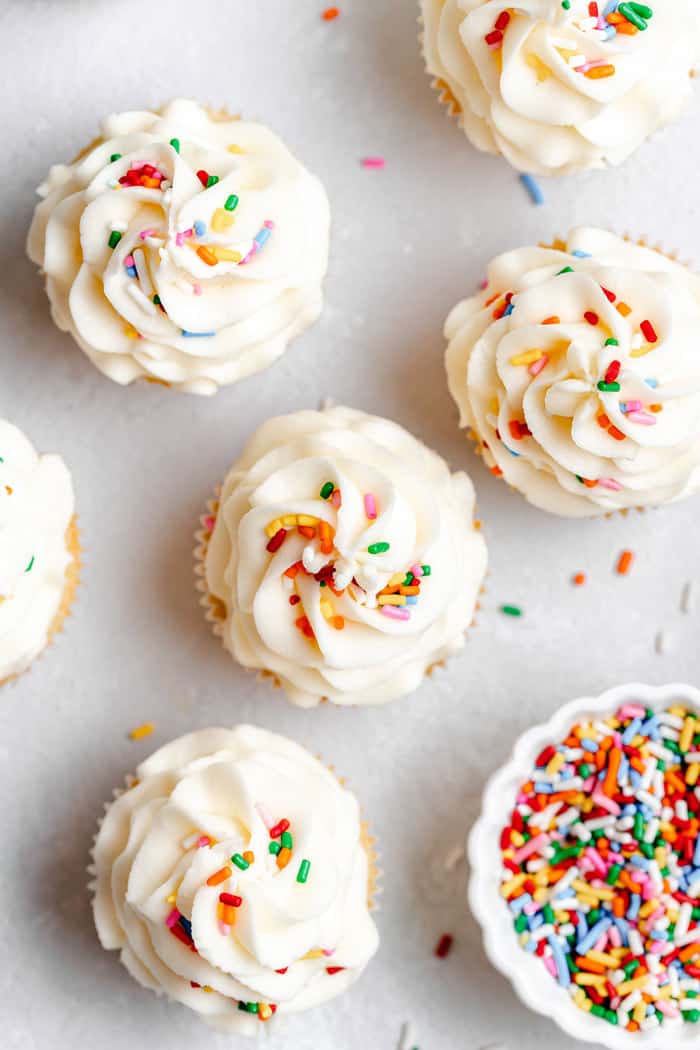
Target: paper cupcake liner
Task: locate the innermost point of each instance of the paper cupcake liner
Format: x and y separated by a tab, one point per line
72	578
215	611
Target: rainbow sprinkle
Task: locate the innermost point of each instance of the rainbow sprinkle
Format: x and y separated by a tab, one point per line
602	866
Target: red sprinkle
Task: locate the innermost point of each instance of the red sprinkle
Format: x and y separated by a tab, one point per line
502	20
494	37
203	176
231	898
648	332
294	599
283	970
591	317
276	541
613	371
444	945
334	969
608	294
279	829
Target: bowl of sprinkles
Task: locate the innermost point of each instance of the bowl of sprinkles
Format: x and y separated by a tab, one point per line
586	867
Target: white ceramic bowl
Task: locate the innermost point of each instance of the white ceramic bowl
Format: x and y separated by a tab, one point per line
531	981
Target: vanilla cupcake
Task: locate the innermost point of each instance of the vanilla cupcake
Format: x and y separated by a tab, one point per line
182	246
39	550
576	370
235	877
342	558
558	87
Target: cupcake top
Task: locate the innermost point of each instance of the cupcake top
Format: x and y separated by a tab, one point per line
344	557
232	877
36	508
555	87
577	370
601	866
182	246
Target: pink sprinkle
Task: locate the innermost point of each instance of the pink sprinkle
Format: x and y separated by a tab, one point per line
249	256
265	815
179	239
609	483
209	522
591	65
634	406
550	964
531	908
535	845
147	233
607	803
658	948
202	841
645	419
336	498
370	506
484	284
129	260
601	943
396	612
417	570
269	224
631	711
615	1002
172	919
596	860
373	162
328	953
537	366
224	930
665	1008
614	936
197	289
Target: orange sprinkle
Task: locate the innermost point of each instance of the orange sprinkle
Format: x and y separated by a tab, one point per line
497	472
307	530
580	579
615	433
293	570
552	320
338	622
610	782
206	255
656	408
627	28
624	562
219	876
589	966
228	914
600	72
330	14
283	857
624	309
249	856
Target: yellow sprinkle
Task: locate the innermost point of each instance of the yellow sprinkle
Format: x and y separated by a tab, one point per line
692	773
396	579
678	711
517	839
527	358
316	953
130	332
556	763
221	220
590	979
171	898
494	406
603	958
288	520
306	521
640	1010
225	254
273	528
648	908
592	891
686	737
512	885
392	599
326	609
660	856
233	148
631	986
582	1000
541	895
541	878
207	988
143	730
642	352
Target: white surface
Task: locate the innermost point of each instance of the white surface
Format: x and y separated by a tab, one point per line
407	243
530	979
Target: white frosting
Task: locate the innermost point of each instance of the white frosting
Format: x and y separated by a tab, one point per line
590	450
36	507
534	98
215	323
198	801
425	515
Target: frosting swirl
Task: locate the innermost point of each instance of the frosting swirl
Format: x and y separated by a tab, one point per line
36	508
344	556
232	877
556	90
182	247
578	373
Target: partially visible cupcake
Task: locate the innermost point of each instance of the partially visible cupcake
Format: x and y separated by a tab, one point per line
39	550
344	558
183	246
235	876
556	86
576	370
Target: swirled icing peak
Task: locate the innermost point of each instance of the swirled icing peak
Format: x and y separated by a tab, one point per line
576	368
36	508
344	556
183	247
558	86
232	876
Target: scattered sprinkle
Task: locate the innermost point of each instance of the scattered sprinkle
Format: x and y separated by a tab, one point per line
579	579
373	162
687	598
511	610
625	562
533	188
444	946
661	643
139	732
330	14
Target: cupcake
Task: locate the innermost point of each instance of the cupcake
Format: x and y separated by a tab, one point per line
39	550
558	87
182	246
575	369
342	558
234	876
586	868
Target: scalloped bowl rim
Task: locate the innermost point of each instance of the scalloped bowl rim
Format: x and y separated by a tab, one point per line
531	981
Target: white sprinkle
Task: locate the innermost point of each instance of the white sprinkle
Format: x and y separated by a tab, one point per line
120	227
407	1039
691	937
661	643
631	1001
636	945
684	917
688	598
143	301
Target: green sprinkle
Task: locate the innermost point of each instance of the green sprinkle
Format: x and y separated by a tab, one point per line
613	342
597	1011
175	143
613	874
327	490
638	825
630	968
156	300
212	180
304	869
274	848
646	849
511	610
249	1008
114	239
286	840
567	269
240	862
629	12
231	202
322	583
31	563
609	388
566	4
115	156
584	770
573	968
611	1017
520	924
378	548
548	914
426	570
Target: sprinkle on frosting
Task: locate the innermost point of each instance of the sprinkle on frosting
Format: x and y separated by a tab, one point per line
602	866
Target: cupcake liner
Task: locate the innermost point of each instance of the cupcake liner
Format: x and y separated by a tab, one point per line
440	86
72	579
215	611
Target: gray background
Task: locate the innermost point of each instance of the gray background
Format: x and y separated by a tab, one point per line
408	242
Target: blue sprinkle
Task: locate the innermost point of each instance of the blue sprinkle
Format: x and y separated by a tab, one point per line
262	237
696	854
186	925
533	188
200	228
589	745
131	270
508	310
635	905
653	383
582	255
197	335
563	974
587	942
412	599
631	731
